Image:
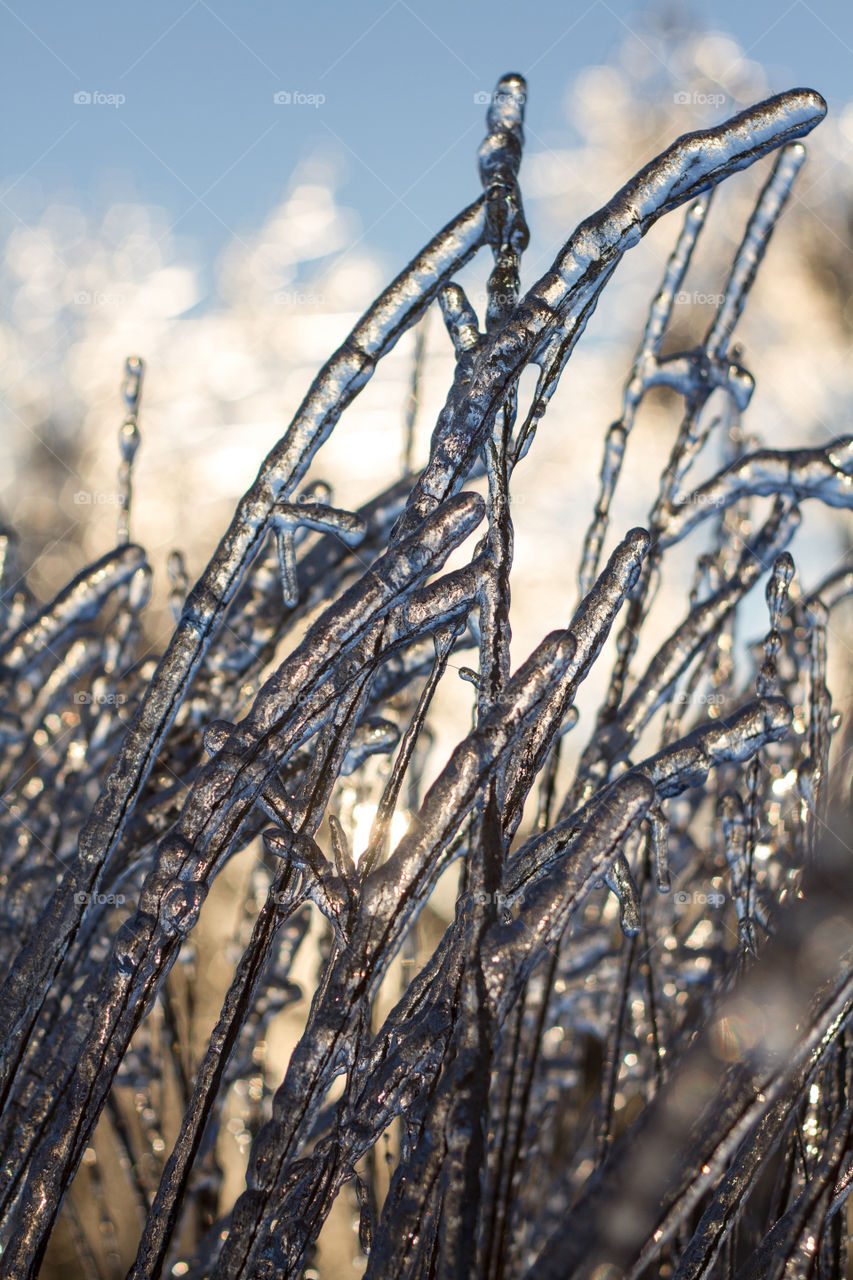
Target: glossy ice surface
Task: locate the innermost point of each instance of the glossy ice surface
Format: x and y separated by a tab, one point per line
559	1096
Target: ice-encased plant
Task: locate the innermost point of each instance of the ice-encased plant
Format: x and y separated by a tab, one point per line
562	1089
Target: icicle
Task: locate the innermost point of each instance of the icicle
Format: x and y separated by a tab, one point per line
460	320
506	230
287	564
619	879
413	403
366	1228
344	862
659	841
373	736
812	772
777	597
286	517
640	378
752	248
180	582
134	370
734	831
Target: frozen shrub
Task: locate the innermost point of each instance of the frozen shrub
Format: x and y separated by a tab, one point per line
628	1052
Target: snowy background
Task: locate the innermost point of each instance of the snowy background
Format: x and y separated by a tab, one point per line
183	214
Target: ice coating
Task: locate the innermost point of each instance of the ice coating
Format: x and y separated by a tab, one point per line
134	371
563	298
790	1246
180	583
642	997
685	642
76	604
826	474
287	516
506	230
753	246
717	1116
337	384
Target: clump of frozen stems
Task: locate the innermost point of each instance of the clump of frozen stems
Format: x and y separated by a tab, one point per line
629	1053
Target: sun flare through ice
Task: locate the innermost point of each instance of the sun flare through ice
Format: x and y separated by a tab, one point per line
362	819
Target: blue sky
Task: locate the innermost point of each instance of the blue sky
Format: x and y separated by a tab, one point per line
183	112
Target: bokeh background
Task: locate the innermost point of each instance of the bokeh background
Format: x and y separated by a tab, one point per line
222	190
